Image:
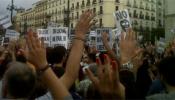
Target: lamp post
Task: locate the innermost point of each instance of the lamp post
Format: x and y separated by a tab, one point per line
11	8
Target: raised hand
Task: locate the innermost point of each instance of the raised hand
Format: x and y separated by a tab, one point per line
74	59
85	23
36	51
106	45
128	46
107	82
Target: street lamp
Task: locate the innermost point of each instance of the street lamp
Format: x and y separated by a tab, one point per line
11	8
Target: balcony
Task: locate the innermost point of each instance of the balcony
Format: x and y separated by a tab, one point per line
100	1
153	18
147	17
100	12
141	16
153	9
135	5
94	2
72	8
147	8
117	1
88	3
82	6
135	15
77	7
159	3
141	7
128	4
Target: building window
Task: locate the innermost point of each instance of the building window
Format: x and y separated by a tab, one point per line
94	10
94	2
83	4
72	25
116	8
88	3
101	9
77	7
101	22
117	1
77	15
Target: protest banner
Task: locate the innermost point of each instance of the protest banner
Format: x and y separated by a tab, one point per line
122	20
12	34
99	42
43	34
5	21
92	38
59	36
161	45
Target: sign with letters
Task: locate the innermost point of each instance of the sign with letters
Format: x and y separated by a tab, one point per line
5	21
55	36
43	34
122	20
59	36
99	42
12	34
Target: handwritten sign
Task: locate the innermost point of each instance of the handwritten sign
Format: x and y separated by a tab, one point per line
99	42
5	21
122	20
12	34
59	36
44	35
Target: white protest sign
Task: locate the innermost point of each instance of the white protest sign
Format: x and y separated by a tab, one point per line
5	21
161	45
99	42
59	36
44	35
12	34
92	38
122	20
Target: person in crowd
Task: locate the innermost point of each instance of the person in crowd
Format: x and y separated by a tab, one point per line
18	81
58	60
166	69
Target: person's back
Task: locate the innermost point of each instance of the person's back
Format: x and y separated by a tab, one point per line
167	73
18	81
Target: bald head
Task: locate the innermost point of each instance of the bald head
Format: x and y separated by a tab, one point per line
20	80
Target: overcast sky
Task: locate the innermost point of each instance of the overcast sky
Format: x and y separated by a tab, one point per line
18	3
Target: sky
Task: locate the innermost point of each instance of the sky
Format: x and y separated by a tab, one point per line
19	3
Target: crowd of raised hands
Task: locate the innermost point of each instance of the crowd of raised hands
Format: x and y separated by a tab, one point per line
107	81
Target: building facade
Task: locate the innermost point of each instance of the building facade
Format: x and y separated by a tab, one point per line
169	20
144	13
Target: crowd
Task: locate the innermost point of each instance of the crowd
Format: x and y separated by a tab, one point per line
30	71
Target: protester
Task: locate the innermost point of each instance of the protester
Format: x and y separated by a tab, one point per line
29	70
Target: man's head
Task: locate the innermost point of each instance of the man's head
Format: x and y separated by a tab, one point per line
58	54
19	81
167	70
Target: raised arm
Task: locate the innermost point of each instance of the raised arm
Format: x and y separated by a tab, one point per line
37	56
73	63
108	48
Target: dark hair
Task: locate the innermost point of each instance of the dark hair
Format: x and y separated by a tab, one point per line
166	68
58	54
92	56
20	80
49	54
